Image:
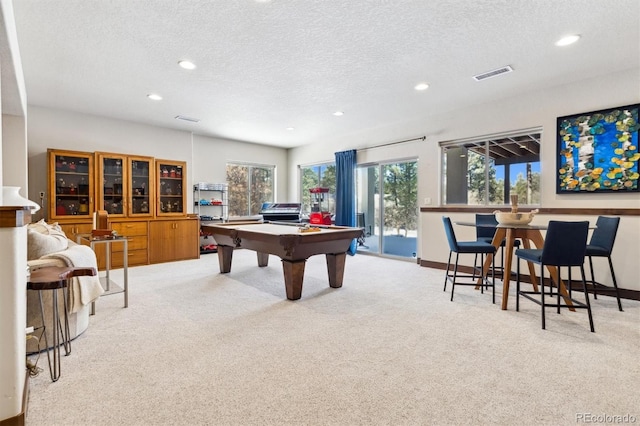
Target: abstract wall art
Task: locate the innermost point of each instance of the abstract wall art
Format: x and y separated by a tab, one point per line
598	151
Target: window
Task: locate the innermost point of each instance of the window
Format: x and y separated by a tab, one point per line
249	187
486	171
320	175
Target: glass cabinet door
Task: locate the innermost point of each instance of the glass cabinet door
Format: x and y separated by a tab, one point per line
140	186
111	179
171	177
70	184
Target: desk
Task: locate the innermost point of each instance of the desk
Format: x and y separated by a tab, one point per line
106	281
285	241
528	234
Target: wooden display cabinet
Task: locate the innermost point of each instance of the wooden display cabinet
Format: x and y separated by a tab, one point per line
144	197
125	185
171	240
71	185
170	186
137	236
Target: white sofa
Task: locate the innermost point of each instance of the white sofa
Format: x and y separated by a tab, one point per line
47	245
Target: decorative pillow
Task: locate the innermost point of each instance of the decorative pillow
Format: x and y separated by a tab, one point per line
43	238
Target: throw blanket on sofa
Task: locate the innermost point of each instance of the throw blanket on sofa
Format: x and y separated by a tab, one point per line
83	290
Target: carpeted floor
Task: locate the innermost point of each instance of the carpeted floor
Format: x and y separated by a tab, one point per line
196	347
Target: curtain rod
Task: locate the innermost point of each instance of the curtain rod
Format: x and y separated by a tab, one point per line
422	138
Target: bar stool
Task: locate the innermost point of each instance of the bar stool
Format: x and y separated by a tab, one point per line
601	245
469	247
564	245
55	278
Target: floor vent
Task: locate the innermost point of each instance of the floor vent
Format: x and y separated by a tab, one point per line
493	73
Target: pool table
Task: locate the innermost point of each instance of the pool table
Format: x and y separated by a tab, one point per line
287	242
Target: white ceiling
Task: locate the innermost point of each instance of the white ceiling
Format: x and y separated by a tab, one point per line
263	66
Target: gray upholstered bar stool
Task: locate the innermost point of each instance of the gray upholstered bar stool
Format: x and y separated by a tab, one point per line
54	278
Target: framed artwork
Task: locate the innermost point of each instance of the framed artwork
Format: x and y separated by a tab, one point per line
598	151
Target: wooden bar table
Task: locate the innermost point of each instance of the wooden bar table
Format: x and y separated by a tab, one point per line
528	234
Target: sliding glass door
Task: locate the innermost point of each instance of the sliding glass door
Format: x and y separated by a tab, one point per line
387	202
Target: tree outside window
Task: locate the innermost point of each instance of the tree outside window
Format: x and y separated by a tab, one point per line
321	175
249	187
488	171
401	196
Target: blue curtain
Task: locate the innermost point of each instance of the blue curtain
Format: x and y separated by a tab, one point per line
346	191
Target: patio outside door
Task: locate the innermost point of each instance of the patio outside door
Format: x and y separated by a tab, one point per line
391	220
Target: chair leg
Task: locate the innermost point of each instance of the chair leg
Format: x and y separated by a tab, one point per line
568	283
586	297
593	279
446	274
493	279
517	284
455	274
542	284
475	265
615	283
570	289
613	277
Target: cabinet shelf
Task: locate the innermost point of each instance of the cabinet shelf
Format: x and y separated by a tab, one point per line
66	172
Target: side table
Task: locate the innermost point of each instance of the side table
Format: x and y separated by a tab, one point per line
55	278
108	241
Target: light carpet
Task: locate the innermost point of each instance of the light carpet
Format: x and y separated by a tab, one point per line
196	347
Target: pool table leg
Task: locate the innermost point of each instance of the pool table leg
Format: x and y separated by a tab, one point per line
263	259
335	268
293	275
225	254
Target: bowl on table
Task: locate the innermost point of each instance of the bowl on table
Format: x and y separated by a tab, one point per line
510	218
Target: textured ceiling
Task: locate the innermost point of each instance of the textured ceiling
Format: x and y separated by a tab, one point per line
265	66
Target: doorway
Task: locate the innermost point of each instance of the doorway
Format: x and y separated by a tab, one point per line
387	208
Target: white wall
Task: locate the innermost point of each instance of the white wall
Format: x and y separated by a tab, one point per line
535	109
206	157
211	155
14	156
13	253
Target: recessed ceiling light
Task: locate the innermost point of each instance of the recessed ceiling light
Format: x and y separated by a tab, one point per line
565	41
338	113
421	86
154	97
187	65
290	128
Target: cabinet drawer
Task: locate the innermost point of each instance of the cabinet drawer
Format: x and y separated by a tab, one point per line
136	257
133	243
130	228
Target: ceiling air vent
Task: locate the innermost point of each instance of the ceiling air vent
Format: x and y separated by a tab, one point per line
493	73
184	118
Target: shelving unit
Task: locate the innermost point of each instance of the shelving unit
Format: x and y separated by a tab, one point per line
212	205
